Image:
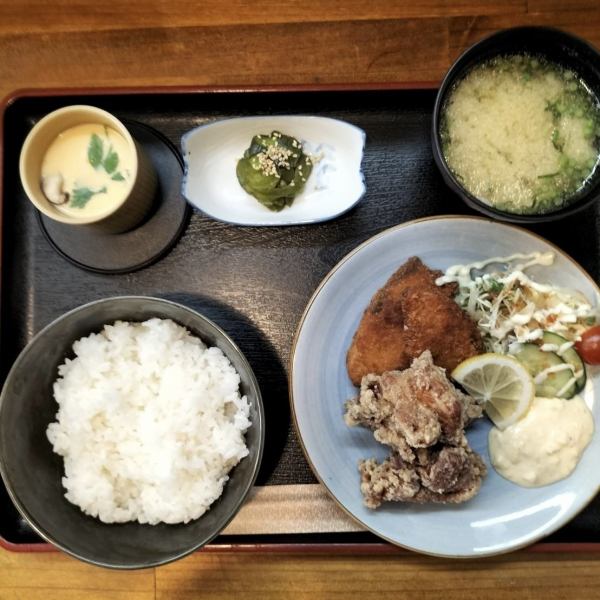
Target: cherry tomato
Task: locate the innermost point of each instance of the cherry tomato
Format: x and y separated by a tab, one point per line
589	346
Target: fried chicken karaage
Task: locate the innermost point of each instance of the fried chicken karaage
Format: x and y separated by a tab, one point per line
421	416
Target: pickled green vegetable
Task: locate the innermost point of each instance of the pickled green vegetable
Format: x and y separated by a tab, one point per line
274	169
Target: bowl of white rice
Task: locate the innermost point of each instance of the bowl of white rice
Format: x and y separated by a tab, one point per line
131	431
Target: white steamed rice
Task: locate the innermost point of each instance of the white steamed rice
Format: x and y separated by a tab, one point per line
150	423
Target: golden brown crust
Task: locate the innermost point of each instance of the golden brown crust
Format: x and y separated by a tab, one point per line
408	315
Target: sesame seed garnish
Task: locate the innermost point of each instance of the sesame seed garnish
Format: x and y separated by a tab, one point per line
272	158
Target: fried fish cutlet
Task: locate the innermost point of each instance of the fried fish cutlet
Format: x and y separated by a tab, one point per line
408	315
421	416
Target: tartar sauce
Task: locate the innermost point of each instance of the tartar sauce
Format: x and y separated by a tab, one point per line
545	445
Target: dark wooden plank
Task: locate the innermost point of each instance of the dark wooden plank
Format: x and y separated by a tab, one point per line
56	576
28	16
545	6
405	576
466	31
373	51
162	43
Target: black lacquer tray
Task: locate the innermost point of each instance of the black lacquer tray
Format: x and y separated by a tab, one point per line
254	282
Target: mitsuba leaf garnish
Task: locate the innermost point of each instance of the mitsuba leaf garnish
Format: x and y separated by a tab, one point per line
97	159
111	161
95	151
81	196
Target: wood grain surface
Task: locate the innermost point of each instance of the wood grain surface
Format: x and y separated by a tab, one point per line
74	43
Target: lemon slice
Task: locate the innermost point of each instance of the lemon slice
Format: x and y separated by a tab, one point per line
500	382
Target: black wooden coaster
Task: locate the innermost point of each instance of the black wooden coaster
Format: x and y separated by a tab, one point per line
140	247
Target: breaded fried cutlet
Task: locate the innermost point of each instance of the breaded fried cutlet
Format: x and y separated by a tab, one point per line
408	315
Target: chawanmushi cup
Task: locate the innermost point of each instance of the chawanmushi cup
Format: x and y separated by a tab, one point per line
141	188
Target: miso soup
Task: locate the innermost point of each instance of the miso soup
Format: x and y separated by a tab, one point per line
521	134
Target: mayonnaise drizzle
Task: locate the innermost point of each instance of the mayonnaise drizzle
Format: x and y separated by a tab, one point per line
511	307
560	350
461	274
543	375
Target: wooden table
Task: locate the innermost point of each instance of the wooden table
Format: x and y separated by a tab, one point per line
73	43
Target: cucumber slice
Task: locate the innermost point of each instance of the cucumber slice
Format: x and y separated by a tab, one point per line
535	361
570	355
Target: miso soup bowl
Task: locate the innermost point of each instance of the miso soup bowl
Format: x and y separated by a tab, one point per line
139	194
32	472
557	46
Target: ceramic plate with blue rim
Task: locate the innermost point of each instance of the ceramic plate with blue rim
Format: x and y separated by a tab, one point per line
336	184
503	516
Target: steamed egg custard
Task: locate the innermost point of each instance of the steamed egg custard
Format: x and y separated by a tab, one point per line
522	134
538	325
87	170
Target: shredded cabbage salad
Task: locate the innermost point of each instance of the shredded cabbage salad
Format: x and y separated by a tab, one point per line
510	308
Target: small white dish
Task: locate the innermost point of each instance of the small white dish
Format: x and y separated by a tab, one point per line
211	153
